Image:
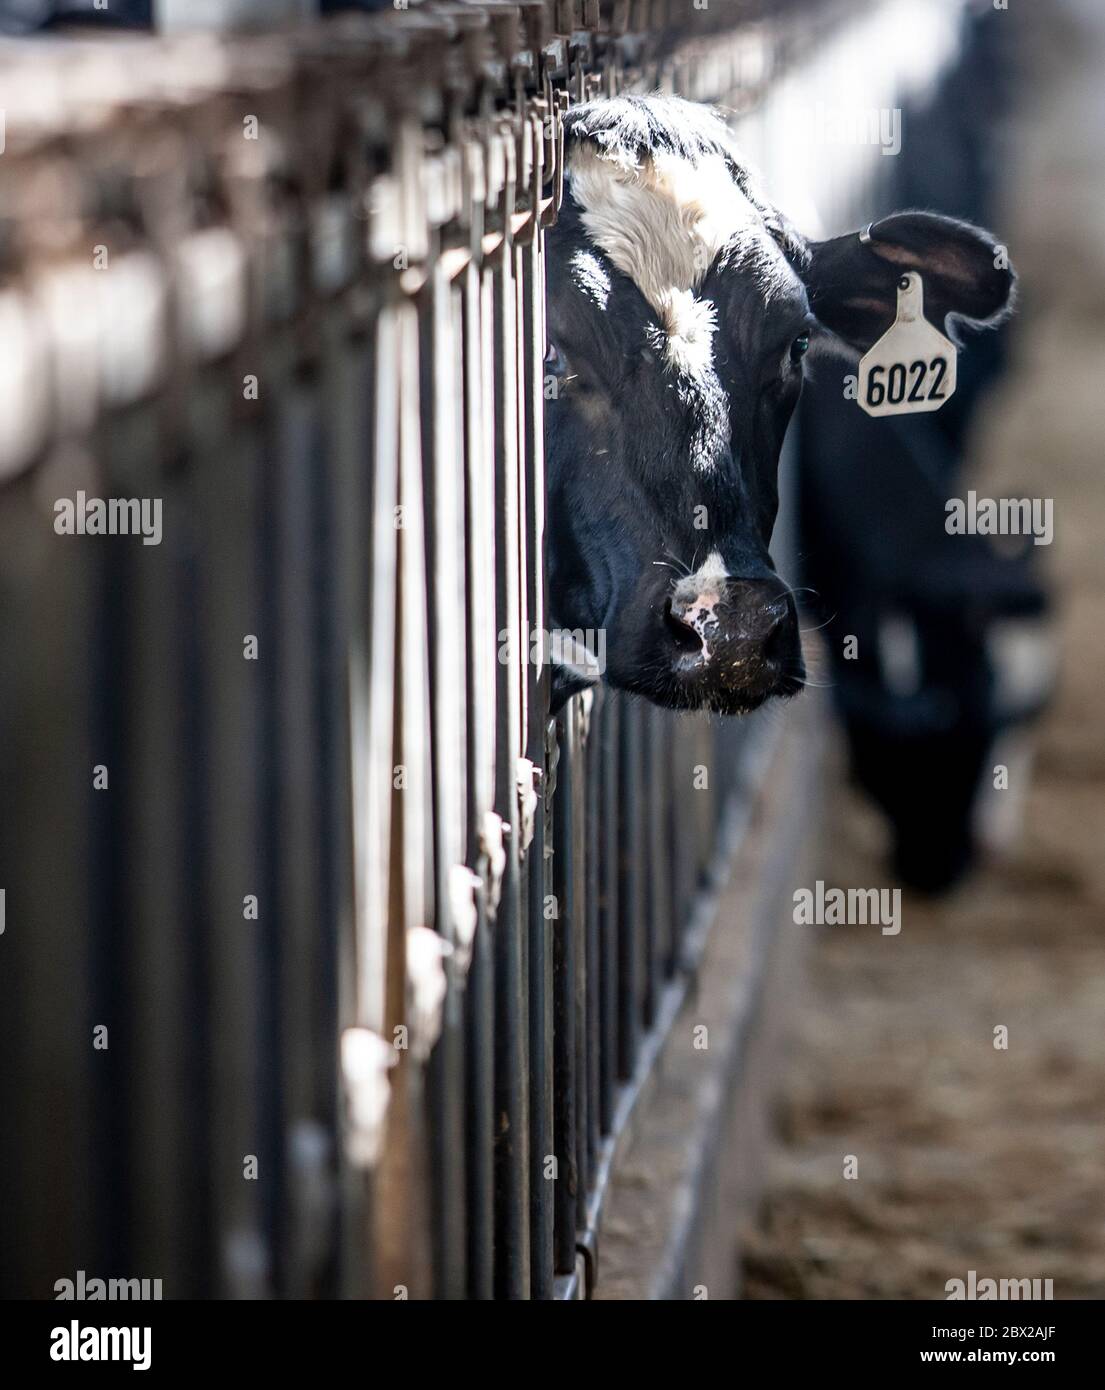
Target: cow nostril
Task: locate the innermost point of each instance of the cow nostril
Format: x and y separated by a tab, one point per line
686	637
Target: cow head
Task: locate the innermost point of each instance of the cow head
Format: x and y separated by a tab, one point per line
681	306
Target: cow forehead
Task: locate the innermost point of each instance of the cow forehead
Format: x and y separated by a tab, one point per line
663	219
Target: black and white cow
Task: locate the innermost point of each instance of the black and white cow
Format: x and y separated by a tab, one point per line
948	659
681	304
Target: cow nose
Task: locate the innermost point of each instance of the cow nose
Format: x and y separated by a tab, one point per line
692	620
733	641
748	613
763	620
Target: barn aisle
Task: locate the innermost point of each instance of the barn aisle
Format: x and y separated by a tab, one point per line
971	1157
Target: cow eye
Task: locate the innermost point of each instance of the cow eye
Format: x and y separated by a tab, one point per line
554	360
799	347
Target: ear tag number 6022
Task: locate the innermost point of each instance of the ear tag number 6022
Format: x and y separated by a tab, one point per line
912	366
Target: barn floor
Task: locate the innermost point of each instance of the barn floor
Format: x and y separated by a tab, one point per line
970	1157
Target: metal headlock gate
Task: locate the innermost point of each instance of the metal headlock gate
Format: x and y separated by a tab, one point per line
331	965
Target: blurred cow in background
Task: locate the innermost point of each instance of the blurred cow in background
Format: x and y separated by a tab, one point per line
943	667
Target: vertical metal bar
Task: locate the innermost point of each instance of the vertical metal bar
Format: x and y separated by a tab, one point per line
593	831
313	1138
660	849
227	478
442	437
298	465
349	411
372	701
270	944
701	757
580	916
481	705
193	831
648	847
53	656
629	897
608	908
161	857
681	784
370	491
540	927
373	776
511	1070
564	1041
110	912
403	1178
480	1115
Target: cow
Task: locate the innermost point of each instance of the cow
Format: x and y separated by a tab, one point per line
937	643
681	307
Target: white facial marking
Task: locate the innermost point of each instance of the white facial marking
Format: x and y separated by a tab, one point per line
698	596
662	222
591	278
689	325
712	572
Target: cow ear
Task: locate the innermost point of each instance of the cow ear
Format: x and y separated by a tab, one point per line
852	280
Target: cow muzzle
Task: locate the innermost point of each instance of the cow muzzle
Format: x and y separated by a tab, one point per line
733	643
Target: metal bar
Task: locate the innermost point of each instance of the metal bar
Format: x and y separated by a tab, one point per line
443	452
629	894
348	410
542	928
512	1168
581	915
226	496
295	477
481	702
536	690
592	792
564	1041
609	739
649	845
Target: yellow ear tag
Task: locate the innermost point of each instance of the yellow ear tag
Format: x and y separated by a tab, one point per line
912	367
